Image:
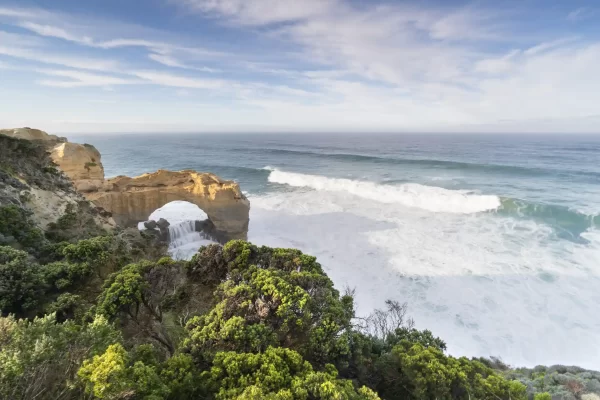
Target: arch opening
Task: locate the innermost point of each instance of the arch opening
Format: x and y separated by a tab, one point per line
187	228
132	200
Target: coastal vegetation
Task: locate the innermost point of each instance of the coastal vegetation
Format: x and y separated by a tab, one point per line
90	313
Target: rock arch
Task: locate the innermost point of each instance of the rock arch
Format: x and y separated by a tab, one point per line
131	200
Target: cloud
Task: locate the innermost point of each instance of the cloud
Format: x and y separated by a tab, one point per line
59	59
549	45
497	65
178	81
166	60
324	64
17	12
397	44
579	14
53	31
262	12
82	79
74	34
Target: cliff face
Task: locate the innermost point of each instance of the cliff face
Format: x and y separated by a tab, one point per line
30	180
32	134
132	200
80	162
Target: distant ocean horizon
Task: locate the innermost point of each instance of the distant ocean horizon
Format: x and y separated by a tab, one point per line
492	240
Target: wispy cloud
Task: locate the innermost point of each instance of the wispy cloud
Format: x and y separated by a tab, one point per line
60	59
549	45
498	65
18	12
264	11
53	31
178	81
579	14
82	79
327	63
167	60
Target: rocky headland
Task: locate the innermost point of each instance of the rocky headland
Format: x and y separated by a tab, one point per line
126	201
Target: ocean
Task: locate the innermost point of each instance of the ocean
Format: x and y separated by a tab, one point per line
492	240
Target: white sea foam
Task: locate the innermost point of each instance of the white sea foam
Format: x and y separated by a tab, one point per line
428	198
184	240
486	283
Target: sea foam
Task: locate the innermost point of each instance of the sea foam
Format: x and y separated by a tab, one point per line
428	198
490	284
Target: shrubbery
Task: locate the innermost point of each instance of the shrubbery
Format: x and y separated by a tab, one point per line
236	322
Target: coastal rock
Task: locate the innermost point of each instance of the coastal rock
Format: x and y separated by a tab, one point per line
31	134
30	180
131	200
127	200
81	163
150	224
163	223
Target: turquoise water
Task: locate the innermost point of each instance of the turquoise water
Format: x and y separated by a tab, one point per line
493	240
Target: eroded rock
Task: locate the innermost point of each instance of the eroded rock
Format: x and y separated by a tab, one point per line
81	163
132	200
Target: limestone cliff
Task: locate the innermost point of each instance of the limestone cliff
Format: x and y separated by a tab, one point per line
131	200
32	134
80	162
30	180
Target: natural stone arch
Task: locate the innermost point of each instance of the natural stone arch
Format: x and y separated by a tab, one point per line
132	200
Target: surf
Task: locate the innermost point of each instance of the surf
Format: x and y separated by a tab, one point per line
429	198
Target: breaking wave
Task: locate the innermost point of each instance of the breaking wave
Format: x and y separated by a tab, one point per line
428	198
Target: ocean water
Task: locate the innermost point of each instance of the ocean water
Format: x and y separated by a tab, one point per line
492	240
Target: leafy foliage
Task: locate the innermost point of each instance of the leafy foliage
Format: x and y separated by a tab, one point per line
276	373
21	281
114	374
283	300
15	223
142	292
39	358
416	372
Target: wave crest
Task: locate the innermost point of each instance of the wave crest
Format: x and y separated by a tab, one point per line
428	198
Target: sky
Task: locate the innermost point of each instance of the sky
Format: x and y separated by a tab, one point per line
300	65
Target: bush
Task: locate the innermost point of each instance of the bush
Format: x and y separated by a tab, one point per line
412	371
39	358
278	373
284	299
114	374
63	275
21	282
15	221
64	306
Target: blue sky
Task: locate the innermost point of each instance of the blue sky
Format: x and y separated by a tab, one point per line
300	65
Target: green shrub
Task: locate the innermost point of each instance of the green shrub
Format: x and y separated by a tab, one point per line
64	306
15	221
277	373
21	282
39	358
114	374
284	300
63	275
